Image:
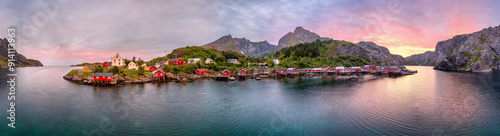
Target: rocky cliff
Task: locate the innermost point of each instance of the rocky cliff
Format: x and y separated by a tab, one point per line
423	59
381	55
475	52
245	46
21	60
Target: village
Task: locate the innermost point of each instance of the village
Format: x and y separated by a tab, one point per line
118	71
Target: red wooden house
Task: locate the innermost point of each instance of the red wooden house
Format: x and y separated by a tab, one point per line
328	69
242	72
369	67
401	68
340	69
201	72
158	74
152	68
292	70
176	62
390	69
307	70
105	64
103	76
279	71
356	69
225	72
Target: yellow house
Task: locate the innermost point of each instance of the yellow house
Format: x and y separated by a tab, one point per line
146	68
87	67
132	65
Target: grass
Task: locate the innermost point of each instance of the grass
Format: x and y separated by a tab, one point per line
86	73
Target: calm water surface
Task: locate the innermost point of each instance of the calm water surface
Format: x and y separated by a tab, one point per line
428	103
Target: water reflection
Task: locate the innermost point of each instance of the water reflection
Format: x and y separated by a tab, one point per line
429	102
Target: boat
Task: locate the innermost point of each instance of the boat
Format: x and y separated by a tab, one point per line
258	78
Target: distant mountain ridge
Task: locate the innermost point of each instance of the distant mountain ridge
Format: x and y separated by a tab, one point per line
245	46
21	60
381	55
427	58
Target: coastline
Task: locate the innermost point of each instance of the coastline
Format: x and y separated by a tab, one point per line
186	78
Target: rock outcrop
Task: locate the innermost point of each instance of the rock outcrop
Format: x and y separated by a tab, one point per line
475	52
21	60
242	45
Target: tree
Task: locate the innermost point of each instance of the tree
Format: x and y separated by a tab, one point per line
140	71
270	62
220	59
115	70
133	59
98	69
140	62
126	62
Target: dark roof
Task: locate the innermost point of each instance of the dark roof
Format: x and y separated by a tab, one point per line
103	74
262	69
401	67
90	66
307	69
173	59
390	68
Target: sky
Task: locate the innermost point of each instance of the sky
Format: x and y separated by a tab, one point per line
64	32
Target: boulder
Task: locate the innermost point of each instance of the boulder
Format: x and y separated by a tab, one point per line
68	77
76	78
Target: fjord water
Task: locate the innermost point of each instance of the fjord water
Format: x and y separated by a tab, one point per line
428	103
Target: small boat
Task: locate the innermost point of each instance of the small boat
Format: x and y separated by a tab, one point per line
232	78
258	78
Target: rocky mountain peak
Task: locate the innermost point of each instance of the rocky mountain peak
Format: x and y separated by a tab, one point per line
300	29
299	35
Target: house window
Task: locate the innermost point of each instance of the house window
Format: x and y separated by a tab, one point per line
97	78
156	74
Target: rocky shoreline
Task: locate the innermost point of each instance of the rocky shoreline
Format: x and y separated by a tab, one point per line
186	78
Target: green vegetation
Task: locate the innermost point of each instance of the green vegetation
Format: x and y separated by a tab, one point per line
86	63
318	54
81	73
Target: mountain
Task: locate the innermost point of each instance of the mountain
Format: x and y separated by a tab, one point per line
322	53
299	35
423	59
21	61
475	52
381	55
245	46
